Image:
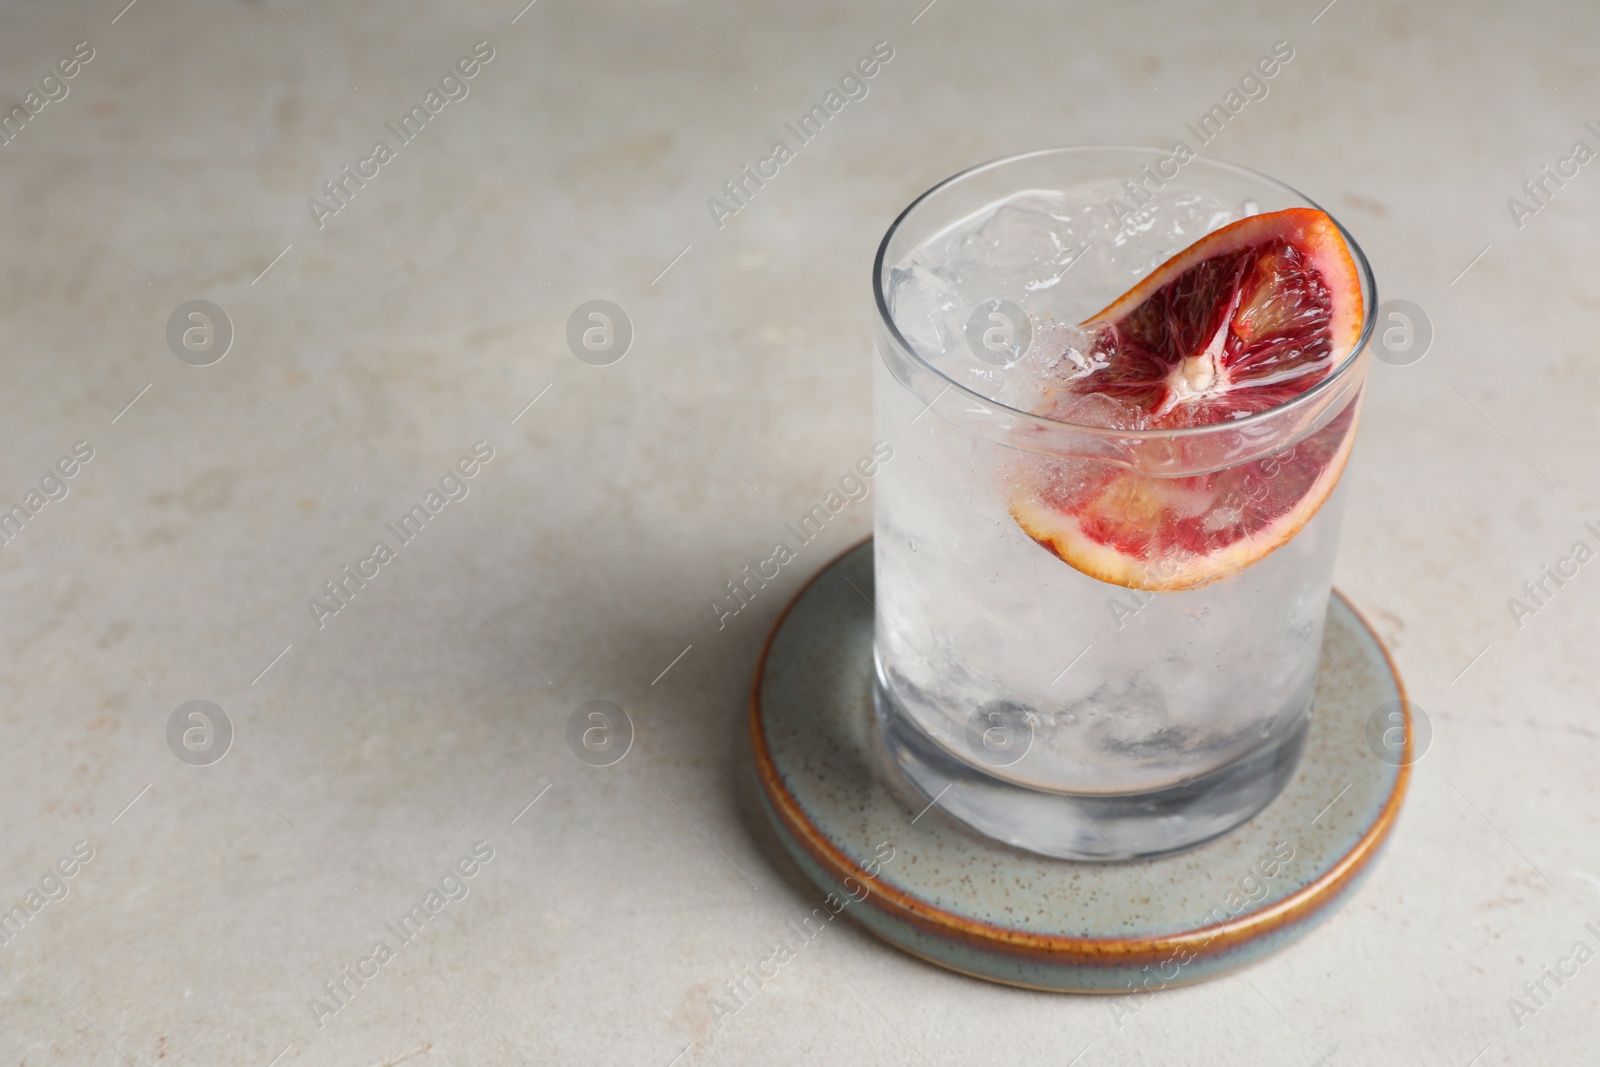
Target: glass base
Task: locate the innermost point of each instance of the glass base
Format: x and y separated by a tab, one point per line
1096	827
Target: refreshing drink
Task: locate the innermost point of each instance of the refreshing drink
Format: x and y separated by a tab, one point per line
1105	546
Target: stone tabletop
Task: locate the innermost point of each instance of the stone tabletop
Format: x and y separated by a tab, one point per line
308	421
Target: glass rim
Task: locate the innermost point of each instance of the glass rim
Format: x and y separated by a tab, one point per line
1369	314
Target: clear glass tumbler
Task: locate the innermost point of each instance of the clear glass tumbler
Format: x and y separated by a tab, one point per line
1038	705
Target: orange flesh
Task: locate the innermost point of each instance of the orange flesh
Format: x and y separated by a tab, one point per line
1245	319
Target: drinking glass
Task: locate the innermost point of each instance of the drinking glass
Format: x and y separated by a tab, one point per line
1038	705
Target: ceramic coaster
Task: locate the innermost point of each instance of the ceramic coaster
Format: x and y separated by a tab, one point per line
932	887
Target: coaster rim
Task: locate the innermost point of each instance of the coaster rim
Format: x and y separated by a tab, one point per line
1216	939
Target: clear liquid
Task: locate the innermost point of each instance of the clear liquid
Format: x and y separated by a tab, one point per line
1122	690
997	650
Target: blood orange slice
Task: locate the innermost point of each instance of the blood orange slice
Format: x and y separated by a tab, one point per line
1241	321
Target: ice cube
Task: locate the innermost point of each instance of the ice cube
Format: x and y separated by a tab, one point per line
921	302
1019	250
1097	409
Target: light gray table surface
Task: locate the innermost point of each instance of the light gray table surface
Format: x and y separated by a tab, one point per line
370	353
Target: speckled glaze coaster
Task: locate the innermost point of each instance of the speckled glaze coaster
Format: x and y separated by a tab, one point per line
930	886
